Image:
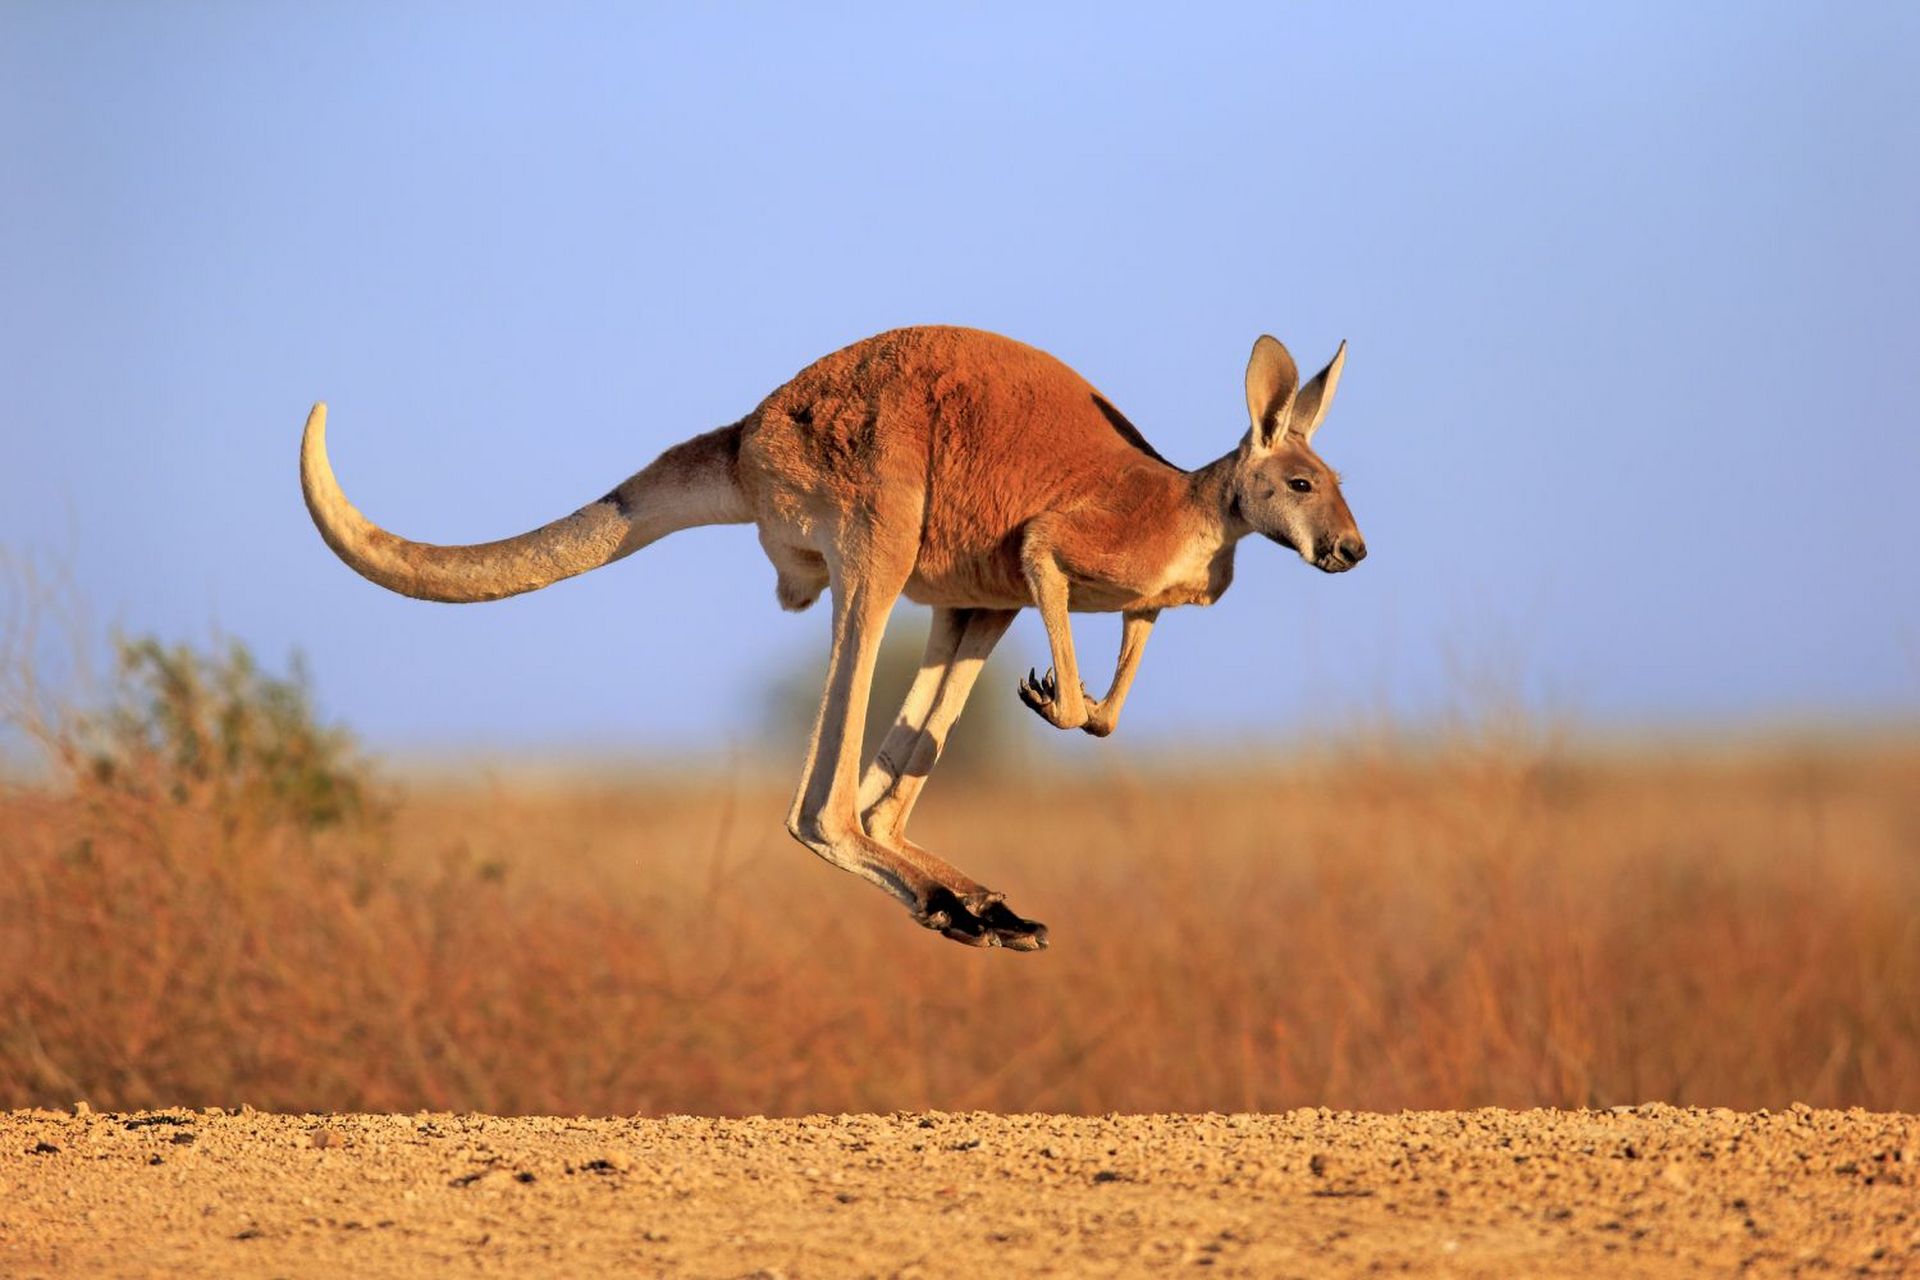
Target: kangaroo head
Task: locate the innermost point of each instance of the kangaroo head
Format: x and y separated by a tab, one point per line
1280	486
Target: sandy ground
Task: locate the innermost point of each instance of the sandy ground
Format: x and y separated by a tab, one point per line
1642	1191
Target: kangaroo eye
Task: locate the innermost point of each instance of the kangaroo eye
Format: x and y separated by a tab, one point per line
1300	485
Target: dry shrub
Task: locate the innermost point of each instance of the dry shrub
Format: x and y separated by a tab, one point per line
220	735
1475	923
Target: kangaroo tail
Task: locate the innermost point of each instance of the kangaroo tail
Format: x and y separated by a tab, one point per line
693	483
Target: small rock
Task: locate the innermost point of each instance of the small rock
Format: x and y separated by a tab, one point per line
325	1138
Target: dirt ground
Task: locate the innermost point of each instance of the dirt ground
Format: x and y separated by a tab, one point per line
1644	1191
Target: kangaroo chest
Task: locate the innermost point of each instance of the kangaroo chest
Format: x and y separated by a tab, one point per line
1194	576
1198	575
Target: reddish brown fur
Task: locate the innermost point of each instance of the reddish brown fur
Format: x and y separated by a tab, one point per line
960	439
963	470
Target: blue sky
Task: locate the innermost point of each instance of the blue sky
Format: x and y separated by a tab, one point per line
1632	295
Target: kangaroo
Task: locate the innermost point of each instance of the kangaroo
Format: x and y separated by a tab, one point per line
963	470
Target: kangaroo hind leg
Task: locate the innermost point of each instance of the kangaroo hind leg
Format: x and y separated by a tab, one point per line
825	815
899	750
894	780
957	647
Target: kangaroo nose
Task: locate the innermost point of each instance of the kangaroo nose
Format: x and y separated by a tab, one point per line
1353	549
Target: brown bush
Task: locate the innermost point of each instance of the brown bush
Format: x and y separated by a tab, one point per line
1377	928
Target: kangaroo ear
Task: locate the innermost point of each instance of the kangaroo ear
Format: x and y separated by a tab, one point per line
1311	405
1271	379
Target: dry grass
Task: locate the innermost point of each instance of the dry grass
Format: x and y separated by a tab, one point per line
1378	929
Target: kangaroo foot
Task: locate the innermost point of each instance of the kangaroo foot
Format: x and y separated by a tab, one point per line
980	920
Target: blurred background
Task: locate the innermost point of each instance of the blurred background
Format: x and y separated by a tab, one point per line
1596	783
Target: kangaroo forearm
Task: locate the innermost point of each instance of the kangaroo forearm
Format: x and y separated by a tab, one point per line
1104	716
1059	698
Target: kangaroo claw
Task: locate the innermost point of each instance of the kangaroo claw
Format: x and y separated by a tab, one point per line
1042	696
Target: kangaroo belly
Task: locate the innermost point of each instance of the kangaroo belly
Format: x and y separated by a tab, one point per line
989	581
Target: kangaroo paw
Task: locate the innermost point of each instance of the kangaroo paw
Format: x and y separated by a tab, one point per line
1042	694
